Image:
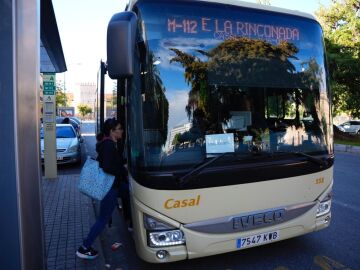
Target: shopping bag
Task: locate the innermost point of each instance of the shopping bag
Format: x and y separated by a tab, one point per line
93	181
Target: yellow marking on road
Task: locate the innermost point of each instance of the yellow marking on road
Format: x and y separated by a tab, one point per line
326	263
281	268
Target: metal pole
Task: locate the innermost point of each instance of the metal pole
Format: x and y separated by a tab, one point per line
103	71
120	108
65	91
21	233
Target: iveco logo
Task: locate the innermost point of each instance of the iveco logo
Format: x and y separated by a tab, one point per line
258	219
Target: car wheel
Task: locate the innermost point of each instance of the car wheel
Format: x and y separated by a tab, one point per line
78	161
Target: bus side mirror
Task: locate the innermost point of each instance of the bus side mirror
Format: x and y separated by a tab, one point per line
121	34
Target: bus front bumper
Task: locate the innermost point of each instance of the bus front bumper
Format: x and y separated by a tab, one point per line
199	244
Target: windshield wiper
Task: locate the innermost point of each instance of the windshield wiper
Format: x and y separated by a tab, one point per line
321	162
185	179
200	167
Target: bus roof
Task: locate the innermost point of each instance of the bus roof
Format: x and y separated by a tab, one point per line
239	4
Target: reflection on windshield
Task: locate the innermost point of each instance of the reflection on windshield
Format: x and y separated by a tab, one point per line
65	132
202	98
61	132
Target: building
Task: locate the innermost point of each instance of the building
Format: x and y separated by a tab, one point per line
87	96
178	130
110	105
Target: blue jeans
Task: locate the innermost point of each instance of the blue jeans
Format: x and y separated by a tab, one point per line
125	198
107	206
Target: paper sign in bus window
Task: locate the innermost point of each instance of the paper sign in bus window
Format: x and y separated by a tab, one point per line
239	120
247	139
219	143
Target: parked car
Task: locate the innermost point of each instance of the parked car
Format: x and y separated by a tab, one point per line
339	127
352	126
68	144
73	122
76	119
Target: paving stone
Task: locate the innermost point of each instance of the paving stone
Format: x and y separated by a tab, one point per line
68	215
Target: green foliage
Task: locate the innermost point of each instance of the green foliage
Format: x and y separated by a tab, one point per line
341	25
61	98
240	61
84	109
177	139
347	142
156	105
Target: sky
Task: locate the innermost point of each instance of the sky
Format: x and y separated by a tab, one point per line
82	27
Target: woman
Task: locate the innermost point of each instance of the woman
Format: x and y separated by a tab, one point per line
111	161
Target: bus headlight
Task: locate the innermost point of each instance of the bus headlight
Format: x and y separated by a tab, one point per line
166	238
324	206
161	234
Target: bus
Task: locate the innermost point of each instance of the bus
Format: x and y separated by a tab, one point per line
229	138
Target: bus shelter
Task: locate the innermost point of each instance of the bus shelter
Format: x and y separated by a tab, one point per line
29	44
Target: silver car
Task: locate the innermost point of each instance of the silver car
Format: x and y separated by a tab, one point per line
352	126
68	144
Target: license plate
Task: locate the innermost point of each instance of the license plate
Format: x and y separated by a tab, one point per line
257	239
59	158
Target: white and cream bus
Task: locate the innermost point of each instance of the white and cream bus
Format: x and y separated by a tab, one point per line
228	117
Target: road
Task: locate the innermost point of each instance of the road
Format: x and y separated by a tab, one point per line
337	247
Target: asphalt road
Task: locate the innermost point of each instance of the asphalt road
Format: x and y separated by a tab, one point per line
337	247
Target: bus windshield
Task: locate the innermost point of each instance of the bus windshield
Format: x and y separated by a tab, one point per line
217	79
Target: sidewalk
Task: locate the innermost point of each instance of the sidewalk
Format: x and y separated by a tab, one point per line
347	148
68	216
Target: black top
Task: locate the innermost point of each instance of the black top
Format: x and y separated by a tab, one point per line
111	161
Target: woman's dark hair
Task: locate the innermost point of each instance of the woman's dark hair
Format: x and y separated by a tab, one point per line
109	124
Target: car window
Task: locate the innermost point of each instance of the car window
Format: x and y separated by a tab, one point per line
65	132
59	120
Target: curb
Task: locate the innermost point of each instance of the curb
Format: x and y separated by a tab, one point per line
347	148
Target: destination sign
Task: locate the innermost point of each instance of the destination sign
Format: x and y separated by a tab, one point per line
226	29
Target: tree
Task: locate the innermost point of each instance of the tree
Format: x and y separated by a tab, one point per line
177	139
341	25
84	109
156	105
61	98
238	61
